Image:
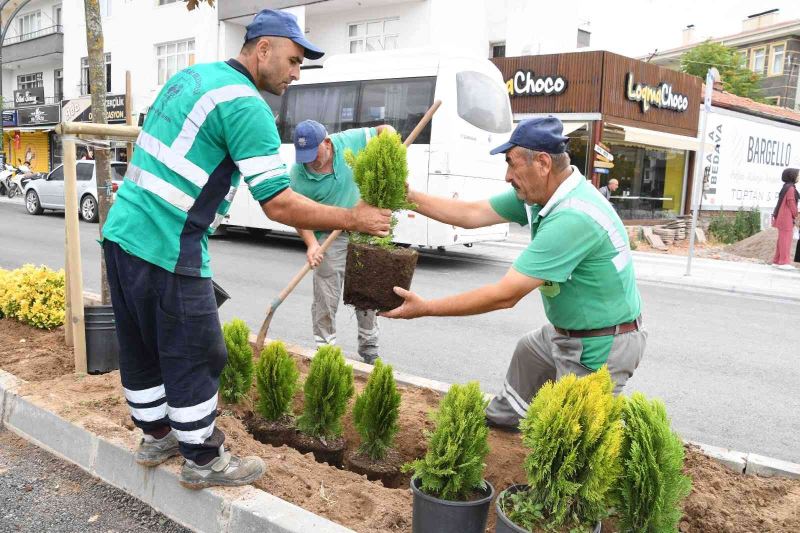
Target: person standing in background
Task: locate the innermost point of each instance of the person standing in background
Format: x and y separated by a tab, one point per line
784	217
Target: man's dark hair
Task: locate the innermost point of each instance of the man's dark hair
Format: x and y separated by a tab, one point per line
789	175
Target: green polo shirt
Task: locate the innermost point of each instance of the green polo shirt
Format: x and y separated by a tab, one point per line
337	188
580	248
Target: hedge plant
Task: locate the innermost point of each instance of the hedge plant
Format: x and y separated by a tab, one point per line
573	430
376	412
652	483
276	381
33	295
328	388
237	376
453	466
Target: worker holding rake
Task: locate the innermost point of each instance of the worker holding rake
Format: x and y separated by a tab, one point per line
579	258
208	128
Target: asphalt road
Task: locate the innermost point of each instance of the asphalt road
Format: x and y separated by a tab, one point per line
727	366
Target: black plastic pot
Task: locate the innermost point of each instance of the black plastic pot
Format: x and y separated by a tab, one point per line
102	347
504	525
219	294
432	515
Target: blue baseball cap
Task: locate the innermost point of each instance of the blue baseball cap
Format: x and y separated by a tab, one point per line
308	135
280	24
540	134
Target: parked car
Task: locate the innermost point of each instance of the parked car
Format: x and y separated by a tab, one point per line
48	192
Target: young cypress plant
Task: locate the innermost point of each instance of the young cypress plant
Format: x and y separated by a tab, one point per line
652	484
237	376
276	381
328	388
574	432
376	412
453	466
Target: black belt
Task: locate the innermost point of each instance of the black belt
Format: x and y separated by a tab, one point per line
619	329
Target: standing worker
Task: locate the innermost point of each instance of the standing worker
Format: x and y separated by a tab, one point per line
321	173
579	259
208	128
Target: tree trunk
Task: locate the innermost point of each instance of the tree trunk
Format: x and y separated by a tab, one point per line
97	85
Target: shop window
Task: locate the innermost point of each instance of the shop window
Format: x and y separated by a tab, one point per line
373	35
776	60
482	102
758	60
173	57
29	81
85	85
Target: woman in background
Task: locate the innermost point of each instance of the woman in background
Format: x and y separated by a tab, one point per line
783	218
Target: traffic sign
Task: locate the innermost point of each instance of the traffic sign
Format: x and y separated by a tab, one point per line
603	152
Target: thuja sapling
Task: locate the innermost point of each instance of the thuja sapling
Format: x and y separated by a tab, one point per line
327	390
276	381
376	412
237	376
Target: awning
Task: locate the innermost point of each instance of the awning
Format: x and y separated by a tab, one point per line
569	127
658	138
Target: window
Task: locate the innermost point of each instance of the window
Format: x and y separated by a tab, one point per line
401	103
373	35
165	2
741	55
85	171
85	85
333	106
777	55
173	57
105	8
29	81
57	15
56	175
498	49
758	60
584	38
482	103
29	23
58	84
118	171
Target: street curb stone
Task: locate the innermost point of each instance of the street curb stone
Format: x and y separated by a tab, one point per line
736	461
769	467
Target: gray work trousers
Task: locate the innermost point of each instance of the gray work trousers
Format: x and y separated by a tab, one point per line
328	281
543	355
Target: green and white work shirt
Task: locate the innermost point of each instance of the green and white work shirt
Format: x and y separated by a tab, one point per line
338	187
208	128
580	248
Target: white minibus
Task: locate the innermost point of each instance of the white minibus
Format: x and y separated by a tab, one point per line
449	158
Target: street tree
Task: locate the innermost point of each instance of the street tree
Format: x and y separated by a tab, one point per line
736	77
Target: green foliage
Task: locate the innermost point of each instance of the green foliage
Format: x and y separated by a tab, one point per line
276	381
376	412
33	295
574	433
328	388
733	229
736	77
652	484
237	376
453	466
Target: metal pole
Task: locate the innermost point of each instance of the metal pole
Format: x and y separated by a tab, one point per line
73	259
697	189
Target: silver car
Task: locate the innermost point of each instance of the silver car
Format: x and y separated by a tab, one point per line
48	192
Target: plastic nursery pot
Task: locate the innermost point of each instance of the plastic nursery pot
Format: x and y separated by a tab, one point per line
432	515
504	525
372	272
102	346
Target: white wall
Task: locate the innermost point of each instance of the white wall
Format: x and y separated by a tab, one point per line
534	28
131	34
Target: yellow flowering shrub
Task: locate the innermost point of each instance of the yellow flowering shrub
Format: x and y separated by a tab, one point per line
33	295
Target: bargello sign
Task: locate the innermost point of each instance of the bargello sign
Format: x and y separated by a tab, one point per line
526	83
660	96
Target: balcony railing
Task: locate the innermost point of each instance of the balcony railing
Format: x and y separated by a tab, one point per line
33	35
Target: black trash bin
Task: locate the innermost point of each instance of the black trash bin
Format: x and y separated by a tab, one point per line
102	347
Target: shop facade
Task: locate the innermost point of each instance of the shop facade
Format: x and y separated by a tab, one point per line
28	130
80	110
628	120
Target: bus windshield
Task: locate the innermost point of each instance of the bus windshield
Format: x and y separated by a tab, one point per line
482	102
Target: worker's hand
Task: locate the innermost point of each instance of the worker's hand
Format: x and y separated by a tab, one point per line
365	218
314	255
413	307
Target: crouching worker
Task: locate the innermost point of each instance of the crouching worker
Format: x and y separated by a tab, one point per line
579	258
208	128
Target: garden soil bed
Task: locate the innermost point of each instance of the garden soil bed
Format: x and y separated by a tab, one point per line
720	502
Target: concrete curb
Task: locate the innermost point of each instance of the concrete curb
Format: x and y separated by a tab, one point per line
215	510
730	289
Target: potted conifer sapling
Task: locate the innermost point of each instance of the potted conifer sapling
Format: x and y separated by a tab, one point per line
573	430
450	493
374	265
237	375
276	382
375	416
327	390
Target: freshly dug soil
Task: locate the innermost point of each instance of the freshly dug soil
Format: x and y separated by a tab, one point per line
372	273
386	470
325	451
760	246
721	500
275	433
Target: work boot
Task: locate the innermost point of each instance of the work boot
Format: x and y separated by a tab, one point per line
369	358
226	470
153	451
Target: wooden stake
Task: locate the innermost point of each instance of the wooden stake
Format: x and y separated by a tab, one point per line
73	259
129	111
68	311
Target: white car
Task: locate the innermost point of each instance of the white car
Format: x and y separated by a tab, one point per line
48	192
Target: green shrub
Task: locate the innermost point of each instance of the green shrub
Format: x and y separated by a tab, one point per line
728	230
376	412
453	466
237	376
652	483
33	295
328	388
276	381
574	433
